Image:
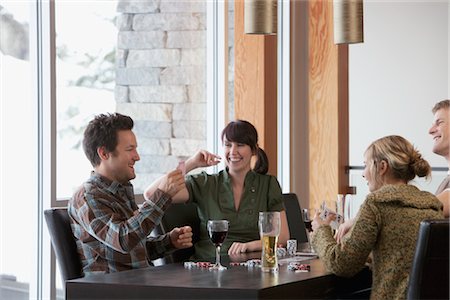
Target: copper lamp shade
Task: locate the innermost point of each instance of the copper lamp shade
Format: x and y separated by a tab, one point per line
348	21
260	17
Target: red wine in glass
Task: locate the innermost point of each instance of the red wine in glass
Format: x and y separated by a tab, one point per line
307	220
218	230
217	237
308	225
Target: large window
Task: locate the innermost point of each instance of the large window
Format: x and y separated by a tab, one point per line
147	59
17	150
85	67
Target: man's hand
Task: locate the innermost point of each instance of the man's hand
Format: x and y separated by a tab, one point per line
181	237
172	182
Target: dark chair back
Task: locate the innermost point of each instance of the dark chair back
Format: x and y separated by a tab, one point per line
429	277
178	215
63	241
296	225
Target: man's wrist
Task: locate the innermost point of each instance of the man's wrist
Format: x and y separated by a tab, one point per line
189	165
160	199
167	241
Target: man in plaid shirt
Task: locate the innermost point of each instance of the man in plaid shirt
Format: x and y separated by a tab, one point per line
112	232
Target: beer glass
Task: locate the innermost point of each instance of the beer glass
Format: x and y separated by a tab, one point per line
269	229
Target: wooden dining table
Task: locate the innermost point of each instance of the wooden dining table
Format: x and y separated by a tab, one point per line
175	281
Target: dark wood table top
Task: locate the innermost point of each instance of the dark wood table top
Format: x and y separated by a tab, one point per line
173	281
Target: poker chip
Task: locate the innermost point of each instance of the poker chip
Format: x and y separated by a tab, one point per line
281	252
253	262
298	267
204	264
238	263
189	264
200	264
291	247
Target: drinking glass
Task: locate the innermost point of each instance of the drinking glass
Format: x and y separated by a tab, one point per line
340	209
269	229
348	207
307	219
218	230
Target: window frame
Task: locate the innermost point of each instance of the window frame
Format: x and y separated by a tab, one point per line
45	47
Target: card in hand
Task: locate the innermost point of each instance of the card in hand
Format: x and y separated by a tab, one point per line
325	211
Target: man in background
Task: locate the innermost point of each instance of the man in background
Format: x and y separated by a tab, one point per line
440	131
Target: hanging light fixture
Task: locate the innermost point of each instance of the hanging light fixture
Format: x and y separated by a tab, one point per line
260	16
348	21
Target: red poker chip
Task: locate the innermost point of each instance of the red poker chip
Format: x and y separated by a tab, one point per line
204	264
299	267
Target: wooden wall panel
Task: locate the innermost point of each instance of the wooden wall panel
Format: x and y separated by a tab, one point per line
319	99
255	90
327	98
299	102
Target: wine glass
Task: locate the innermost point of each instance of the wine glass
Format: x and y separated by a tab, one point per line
218	230
307	219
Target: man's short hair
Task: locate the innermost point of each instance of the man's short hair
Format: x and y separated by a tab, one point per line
102	132
440	105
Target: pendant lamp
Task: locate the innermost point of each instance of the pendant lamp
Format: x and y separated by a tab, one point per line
260	16
348	21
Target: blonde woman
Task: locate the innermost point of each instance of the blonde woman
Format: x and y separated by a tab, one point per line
387	222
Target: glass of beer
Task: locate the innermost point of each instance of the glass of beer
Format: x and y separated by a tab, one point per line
269	229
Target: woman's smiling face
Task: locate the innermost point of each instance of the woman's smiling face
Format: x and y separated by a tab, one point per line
237	156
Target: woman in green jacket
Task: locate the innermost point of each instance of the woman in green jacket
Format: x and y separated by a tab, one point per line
238	193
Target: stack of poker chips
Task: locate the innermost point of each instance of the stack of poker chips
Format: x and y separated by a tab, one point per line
238	264
207	265
253	263
200	264
292	247
248	263
298	267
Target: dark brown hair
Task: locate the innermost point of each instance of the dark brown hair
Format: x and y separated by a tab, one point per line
244	132
102	132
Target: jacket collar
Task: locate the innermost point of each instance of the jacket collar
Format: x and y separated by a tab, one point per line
406	195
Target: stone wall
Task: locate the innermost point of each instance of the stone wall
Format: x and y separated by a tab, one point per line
160	80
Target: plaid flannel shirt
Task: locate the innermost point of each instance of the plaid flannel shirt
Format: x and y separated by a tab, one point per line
112	232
